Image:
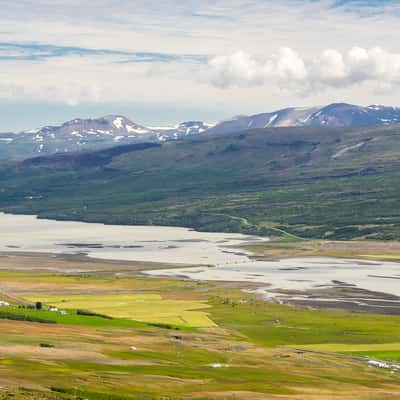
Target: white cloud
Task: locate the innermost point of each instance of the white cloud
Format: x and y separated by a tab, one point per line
242	69
256	79
183	25
75	80
290	71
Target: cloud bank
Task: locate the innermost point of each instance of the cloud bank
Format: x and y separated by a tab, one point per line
290	71
178	54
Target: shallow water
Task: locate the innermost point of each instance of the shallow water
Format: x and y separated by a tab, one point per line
25	233
185	246
302	274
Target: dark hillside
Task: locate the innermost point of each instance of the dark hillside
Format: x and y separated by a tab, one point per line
314	182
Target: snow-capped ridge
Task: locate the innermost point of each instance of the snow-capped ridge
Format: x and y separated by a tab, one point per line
96	133
333	115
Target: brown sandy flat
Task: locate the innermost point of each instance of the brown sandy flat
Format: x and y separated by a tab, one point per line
67	263
358	249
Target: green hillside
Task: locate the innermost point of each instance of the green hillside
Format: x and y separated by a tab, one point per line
337	183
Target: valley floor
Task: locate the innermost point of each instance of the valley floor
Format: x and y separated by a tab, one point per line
116	334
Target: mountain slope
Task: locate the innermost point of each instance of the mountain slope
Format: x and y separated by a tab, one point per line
337	114
313	182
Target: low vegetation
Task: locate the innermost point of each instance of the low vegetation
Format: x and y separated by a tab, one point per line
18	316
252	350
290	182
92	314
140	307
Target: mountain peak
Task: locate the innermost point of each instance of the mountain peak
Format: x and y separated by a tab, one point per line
111	130
335	114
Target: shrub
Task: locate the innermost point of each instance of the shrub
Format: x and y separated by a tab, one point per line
92	314
21	317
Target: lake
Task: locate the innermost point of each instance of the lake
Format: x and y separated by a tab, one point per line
213	253
26	233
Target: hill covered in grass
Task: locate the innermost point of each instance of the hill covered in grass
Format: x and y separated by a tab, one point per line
339	183
256	350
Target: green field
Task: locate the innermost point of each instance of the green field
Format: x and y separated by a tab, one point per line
251	350
386	351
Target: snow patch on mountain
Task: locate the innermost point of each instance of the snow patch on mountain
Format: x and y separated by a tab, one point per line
118	122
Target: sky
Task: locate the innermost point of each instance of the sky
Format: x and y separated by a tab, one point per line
160	62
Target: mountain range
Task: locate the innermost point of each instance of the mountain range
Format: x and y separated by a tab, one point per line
90	134
94	134
333	115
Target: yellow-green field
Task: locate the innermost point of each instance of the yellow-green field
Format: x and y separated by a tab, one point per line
140	307
351	348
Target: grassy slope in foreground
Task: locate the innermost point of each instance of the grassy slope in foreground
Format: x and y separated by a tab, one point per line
256	345
311	182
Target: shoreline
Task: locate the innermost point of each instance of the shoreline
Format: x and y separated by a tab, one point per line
91	263
303	274
343	297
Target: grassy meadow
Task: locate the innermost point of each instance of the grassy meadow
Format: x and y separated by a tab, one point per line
153	338
139	307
